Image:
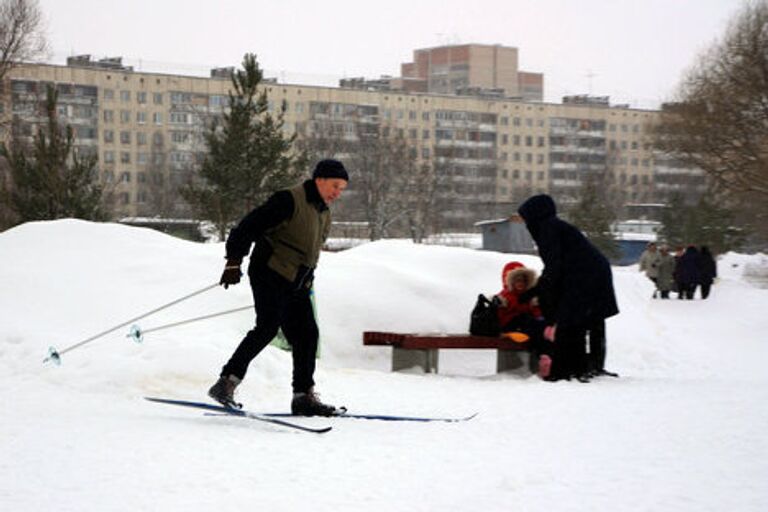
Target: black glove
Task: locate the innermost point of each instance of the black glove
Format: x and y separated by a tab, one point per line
231	274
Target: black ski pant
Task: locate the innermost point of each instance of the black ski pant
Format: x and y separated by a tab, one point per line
597	345
279	305
687	291
705	288
569	357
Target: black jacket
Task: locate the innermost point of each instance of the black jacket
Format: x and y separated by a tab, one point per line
576	285
688	269
707	266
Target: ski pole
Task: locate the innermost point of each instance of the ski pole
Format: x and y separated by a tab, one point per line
137	333
55	355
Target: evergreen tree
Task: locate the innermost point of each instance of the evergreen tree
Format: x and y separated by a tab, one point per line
249	157
594	215
51	180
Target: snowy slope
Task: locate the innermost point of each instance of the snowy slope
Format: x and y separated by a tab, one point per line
683	429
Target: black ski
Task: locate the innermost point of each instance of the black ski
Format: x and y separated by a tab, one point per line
380	417
239	413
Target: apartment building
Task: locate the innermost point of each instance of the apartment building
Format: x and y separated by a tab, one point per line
147	130
472	68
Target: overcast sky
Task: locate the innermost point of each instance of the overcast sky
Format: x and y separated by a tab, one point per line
634	51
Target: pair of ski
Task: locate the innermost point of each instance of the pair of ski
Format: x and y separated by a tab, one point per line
277	418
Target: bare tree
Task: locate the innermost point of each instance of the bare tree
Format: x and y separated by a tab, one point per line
719	122
22	33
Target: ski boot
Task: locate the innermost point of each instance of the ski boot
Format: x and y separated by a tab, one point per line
309	404
223	391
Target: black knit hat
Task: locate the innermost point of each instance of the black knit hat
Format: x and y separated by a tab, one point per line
330	168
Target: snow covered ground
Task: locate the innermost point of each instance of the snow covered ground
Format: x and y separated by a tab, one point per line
682	430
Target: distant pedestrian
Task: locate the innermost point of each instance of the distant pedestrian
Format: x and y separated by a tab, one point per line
688	274
666	267
707	271
649	263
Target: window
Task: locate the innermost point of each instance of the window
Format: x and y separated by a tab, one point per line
125	96
141	97
125	177
528	140
539	158
516	140
125	116
411	115
425	116
109	157
179	118
141	158
540	142
125	157
157	117
141	117
109	116
141	138
157	98
516	121
109	136
179	137
109	94
125	137
505	139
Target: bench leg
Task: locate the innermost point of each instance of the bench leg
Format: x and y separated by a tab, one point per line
515	361
407	358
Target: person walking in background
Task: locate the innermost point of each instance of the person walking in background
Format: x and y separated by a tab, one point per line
707	271
665	280
649	263
687	271
575	290
287	231
676	274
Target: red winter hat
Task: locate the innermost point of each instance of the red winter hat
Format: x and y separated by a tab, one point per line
509	267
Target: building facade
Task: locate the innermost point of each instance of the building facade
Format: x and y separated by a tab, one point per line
147	131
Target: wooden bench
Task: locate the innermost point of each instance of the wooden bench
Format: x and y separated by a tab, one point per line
409	350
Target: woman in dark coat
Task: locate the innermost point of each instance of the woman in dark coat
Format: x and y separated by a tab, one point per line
687	271
707	271
575	290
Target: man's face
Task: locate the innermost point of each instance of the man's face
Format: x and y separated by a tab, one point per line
330	188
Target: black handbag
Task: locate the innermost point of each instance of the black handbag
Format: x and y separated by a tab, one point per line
484	321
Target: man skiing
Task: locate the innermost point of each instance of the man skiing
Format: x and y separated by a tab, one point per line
288	232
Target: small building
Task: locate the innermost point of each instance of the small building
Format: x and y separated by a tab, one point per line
506	235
